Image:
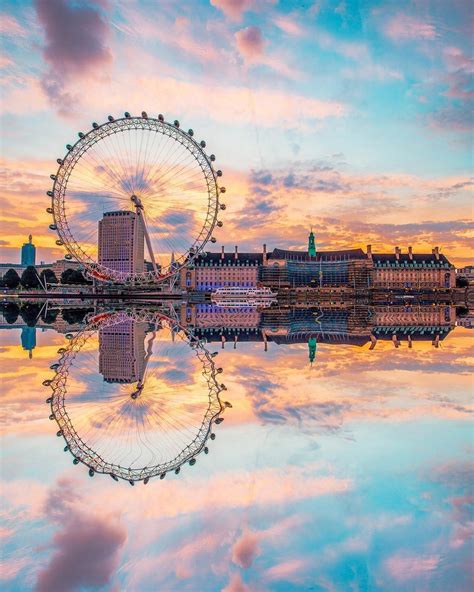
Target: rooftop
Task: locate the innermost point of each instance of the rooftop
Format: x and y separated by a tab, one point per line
213	259
417	260
341	255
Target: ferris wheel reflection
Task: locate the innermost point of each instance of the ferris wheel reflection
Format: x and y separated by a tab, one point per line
135	395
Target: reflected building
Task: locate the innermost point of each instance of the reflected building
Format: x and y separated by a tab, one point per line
122	351
122	242
345	322
28	339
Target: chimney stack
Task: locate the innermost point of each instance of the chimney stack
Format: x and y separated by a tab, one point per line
397	253
410	253
435	252
369	251
222	252
236	254
264	254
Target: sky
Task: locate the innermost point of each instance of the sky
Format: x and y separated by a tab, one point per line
316	480
353	117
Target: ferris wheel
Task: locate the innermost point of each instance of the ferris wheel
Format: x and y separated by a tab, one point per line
135	396
135	199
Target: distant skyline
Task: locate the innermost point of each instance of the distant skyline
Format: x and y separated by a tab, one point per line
354	118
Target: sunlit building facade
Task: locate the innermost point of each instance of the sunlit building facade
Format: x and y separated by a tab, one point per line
122	242
413	271
224	269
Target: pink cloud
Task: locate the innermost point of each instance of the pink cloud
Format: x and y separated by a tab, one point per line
289	571
86	545
75	46
10	26
405	567
402	27
9	568
250	43
234	9
246	549
236	584
289	26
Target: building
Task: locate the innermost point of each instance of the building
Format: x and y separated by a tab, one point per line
295	269
411	270
349	269
217	270
28	339
122	242
28	253
122	352
466	273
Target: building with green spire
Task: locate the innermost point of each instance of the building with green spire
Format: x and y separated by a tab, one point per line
311	245
312	344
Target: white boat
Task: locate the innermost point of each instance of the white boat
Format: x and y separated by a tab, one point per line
240	293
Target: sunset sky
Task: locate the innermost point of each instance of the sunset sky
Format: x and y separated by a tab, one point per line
354	117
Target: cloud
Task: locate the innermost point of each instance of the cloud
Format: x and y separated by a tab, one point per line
9	26
75	40
289	571
246	549
289	26
405	27
250	43
234	9
86	545
236	584
404	568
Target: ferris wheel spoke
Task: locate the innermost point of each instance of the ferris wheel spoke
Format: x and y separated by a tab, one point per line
167	158
95	160
171	171
105	165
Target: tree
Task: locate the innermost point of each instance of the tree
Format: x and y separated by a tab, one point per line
29	278
73	276
10	312
73	316
48	276
29	313
78	278
462	282
49	315
11	279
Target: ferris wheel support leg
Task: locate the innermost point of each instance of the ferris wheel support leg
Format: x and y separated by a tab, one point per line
141	215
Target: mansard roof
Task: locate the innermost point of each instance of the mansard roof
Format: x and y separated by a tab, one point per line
216	259
341	255
404	260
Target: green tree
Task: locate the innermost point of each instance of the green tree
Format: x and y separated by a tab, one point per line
11	279
48	276
29	278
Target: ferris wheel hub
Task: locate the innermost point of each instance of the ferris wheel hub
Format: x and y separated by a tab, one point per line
136	201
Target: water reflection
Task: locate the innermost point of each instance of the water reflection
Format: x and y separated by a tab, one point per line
135	395
345	462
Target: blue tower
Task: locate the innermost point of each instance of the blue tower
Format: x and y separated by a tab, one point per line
28	339
28	253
